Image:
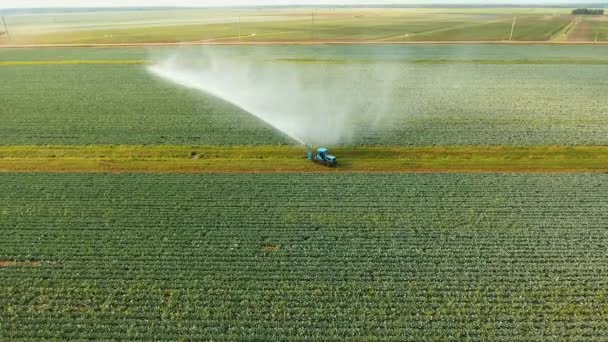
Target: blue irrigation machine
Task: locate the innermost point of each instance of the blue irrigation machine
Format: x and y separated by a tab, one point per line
322	157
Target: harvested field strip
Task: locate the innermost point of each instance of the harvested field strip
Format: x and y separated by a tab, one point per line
75	62
253	159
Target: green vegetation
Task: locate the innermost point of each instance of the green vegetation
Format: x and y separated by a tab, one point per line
200	159
587	11
440	95
132	208
409	257
113	104
539	29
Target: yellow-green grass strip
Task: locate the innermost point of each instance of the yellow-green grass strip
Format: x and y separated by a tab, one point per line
77	62
248	159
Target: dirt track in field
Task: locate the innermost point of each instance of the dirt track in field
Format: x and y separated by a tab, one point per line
286	43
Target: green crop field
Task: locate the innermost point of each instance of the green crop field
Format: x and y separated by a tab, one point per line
408	257
434	95
161	191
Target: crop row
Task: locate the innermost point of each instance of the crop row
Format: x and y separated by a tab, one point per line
397	104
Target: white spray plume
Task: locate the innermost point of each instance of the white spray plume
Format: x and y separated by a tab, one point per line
311	102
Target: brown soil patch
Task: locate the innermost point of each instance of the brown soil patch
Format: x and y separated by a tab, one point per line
272	248
12	263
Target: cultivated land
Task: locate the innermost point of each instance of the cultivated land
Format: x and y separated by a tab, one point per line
305	25
470	207
409	257
437	95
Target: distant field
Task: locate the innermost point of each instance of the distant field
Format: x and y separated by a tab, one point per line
408	257
437	95
591	29
373	24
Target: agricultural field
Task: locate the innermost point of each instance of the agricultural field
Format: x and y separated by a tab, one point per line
161	191
413	95
289	25
590	29
408	257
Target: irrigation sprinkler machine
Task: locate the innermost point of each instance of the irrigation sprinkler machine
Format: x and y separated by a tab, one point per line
322	157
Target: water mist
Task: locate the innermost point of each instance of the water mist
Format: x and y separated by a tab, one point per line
312	102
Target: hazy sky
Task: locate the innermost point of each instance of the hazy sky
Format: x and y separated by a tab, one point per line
111	3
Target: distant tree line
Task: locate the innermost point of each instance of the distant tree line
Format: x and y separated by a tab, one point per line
588	11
